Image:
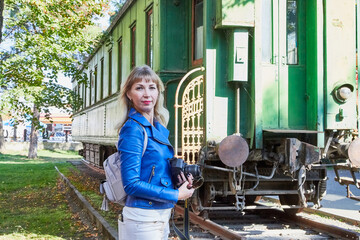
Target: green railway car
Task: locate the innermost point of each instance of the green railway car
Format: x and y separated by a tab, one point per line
261	93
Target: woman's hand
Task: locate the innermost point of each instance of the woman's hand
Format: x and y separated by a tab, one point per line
185	190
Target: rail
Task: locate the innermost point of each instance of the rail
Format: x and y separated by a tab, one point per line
210	226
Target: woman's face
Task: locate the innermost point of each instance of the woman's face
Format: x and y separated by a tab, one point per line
143	96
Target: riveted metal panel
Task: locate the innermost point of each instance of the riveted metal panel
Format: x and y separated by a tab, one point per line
112	113
340	62
96	122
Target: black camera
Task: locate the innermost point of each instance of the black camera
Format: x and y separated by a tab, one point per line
178	165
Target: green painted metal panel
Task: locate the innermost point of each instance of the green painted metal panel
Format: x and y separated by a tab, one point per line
220	94
173	35
314	69
257	84
235	13
297	73
287	88
340	62
312	65
223	94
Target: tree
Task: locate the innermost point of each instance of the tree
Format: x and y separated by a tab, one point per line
50	36
2	140
116	5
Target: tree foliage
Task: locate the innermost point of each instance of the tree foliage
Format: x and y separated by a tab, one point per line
115	6
48	37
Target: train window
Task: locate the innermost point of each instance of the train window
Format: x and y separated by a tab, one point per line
84	95
197	32
91	87
119	63
102	78
149	38
133	45
96	84
291	32
266	28
78	96
110	73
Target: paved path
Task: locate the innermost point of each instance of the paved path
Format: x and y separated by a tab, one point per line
336	202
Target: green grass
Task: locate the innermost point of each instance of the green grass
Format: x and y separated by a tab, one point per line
32	206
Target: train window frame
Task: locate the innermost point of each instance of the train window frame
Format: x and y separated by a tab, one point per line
119	44
110	72
78	96
91	80
101	78
84	95
149	36
196	61
133	45
295	59
267	48
95	80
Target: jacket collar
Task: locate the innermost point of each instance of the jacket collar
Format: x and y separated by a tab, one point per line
159	132
138	117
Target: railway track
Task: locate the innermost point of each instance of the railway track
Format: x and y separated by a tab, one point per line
257	224
264	224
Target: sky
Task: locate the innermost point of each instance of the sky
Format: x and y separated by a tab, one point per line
65	81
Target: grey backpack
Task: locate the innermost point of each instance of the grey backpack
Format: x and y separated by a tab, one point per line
113	186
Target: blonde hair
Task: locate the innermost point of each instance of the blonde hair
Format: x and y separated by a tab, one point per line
138	74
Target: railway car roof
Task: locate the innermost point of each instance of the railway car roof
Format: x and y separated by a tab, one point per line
113	24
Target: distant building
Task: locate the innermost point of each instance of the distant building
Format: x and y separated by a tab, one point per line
57	128
59	122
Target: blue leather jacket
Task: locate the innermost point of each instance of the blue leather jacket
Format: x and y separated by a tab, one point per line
147	179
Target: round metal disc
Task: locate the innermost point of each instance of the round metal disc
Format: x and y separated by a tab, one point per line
233	151
354	152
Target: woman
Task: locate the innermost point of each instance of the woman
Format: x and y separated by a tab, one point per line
146	177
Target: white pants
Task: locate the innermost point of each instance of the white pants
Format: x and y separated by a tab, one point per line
138	230
131	229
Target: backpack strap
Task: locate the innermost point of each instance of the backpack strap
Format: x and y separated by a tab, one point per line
145	137
145	140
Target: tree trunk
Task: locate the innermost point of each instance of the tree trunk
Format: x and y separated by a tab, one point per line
2	139
34	134
1	17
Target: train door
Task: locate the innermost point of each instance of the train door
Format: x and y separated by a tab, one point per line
283	64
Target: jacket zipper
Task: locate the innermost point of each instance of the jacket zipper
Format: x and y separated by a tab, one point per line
152	174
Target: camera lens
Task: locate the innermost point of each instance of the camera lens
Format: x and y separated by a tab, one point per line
193	169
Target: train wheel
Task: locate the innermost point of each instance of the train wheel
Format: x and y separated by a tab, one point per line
196	203
290	200
322	189
202	197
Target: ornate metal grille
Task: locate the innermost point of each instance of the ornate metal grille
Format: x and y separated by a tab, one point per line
192	119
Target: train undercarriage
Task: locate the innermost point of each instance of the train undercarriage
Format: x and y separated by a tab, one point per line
290	169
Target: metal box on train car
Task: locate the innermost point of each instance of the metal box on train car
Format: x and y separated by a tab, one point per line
230	13
238	52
